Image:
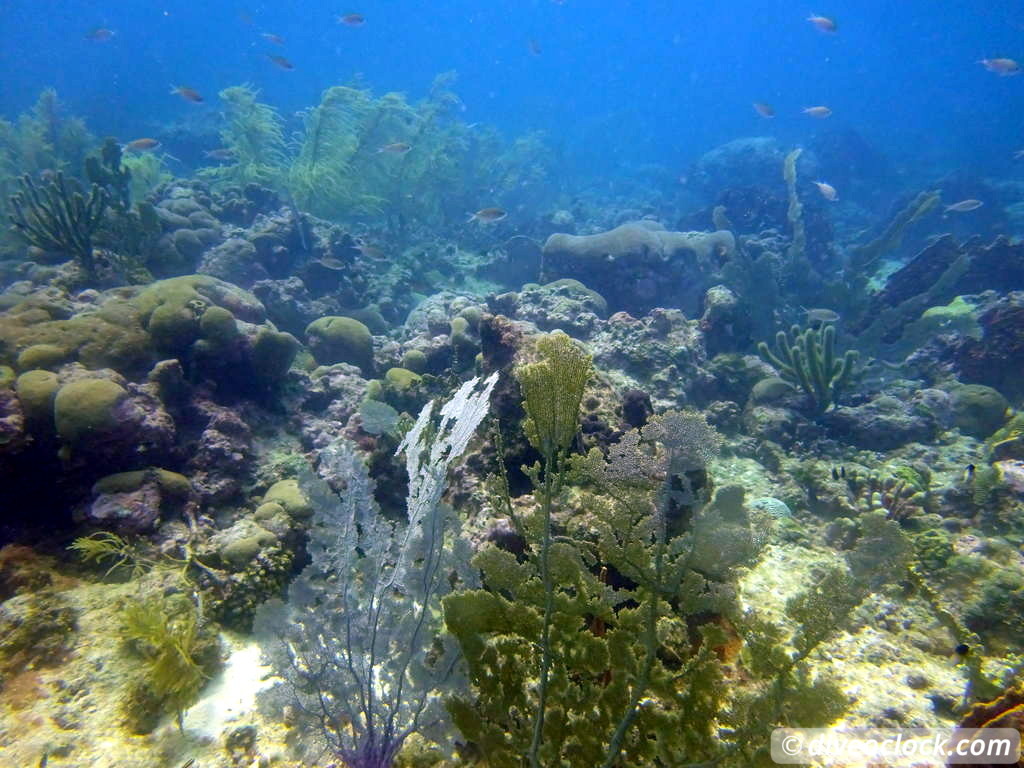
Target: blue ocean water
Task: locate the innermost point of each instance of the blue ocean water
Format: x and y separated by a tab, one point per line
614	84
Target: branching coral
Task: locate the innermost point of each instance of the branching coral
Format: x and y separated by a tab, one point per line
60	217
807	357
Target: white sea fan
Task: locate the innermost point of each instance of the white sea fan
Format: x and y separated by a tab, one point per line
358	642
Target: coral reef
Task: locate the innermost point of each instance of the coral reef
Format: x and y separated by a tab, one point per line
662	538
638	265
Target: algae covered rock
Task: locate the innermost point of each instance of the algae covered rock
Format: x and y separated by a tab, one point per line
135	501
12	421
240	544
172	483
106	423
978	410
565	304
885	422
336	339
36	629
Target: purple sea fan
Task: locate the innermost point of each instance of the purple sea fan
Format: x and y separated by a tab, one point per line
358	645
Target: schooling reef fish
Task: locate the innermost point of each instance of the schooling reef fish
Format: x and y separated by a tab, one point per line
281	62
819	316
1002	67
221	154
100	34
964	206
823	23
188	94
352	19
764	109
142	145
488	215
271	37
395	148
827	191
819	112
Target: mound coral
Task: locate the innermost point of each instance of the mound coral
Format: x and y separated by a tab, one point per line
638	265
341	340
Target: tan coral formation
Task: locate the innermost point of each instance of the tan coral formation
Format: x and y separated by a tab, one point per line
644	239
640	264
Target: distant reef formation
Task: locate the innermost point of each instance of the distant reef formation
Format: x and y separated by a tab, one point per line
638	265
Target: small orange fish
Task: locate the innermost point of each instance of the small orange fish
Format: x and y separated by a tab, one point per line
827	191
396	148
142	145
188	94
1002	67
487	215
352	19
823	23
763	109
281	61
964	206
100	34
271	37
819	112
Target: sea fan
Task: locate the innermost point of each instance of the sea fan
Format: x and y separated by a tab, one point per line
358	643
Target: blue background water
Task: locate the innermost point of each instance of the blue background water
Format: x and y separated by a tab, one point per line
616	83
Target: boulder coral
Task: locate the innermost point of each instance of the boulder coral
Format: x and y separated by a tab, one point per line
104	421
336	339
639	265
217	330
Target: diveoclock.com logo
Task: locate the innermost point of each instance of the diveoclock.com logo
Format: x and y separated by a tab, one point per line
896	746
